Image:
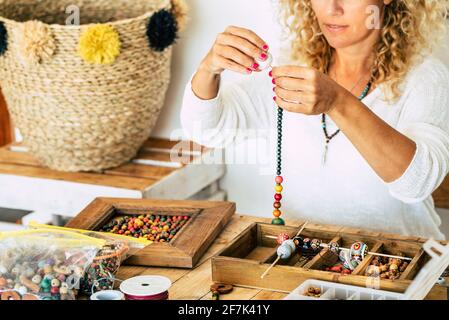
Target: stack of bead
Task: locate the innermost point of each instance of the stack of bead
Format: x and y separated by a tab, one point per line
277	204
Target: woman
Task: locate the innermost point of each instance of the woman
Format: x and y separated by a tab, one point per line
371	163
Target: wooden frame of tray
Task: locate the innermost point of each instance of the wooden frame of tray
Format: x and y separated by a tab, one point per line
207	219
246	258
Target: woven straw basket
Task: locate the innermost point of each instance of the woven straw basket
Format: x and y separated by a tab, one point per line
80	116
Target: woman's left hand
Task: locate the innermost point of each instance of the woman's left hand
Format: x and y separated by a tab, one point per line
305	90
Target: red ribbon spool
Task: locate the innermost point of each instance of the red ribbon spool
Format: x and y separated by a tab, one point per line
146	288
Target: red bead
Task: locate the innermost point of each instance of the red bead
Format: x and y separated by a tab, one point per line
277	205
279	179
278	197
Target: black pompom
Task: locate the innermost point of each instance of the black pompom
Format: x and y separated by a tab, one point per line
162	30
3	39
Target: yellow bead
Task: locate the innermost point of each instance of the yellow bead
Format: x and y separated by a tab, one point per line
278	188
277	213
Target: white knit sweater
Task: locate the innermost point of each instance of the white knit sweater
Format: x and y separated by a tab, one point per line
346	191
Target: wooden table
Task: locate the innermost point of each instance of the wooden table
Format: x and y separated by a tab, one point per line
195	284
163	169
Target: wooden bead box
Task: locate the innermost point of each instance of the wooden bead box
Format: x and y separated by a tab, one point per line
205	221
246	258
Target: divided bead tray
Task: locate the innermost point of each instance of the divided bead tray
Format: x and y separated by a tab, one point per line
204	222
246	258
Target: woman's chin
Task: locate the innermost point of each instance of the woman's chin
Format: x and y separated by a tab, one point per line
338	43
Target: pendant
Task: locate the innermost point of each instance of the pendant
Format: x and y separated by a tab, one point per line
324	158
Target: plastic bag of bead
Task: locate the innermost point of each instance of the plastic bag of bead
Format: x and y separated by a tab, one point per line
100	275
44	264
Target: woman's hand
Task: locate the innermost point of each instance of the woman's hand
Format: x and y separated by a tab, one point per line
235	49
305	90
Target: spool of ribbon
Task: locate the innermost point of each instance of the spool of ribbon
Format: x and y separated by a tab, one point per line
107	295
146	288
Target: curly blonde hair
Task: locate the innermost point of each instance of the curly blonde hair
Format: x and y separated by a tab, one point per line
410	30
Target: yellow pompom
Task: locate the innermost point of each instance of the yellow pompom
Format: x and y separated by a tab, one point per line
278	188
99	44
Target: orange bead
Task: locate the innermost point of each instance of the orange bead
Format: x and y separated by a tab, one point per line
277	213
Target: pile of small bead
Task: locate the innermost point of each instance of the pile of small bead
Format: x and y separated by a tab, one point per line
157	228
101	273
386	268
46	279
339	268
313	292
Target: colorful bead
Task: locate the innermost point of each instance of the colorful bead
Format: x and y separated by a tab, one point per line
154	228
282	237
277	213
279	179
315	244
278	188
277	205
278	197
278	221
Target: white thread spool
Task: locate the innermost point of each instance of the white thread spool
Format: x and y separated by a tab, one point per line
108	295
267	63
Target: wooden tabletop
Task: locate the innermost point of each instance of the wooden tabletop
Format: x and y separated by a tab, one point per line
195	284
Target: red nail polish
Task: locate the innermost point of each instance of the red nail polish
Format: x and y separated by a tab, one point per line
255	66
273	81
249	70
274	89
274	98
271	73
265	47
263	56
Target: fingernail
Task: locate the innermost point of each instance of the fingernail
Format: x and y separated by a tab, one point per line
255	65
274	88
274	98
263	56
249	70
265	47
273	81
271	73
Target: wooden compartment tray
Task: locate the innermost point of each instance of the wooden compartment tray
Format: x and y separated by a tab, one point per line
246	258
206	221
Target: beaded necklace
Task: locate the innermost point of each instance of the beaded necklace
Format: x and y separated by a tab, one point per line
279	179
324	126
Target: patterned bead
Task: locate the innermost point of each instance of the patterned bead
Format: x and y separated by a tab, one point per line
277	213
334	247
315	244
306	244
282	237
